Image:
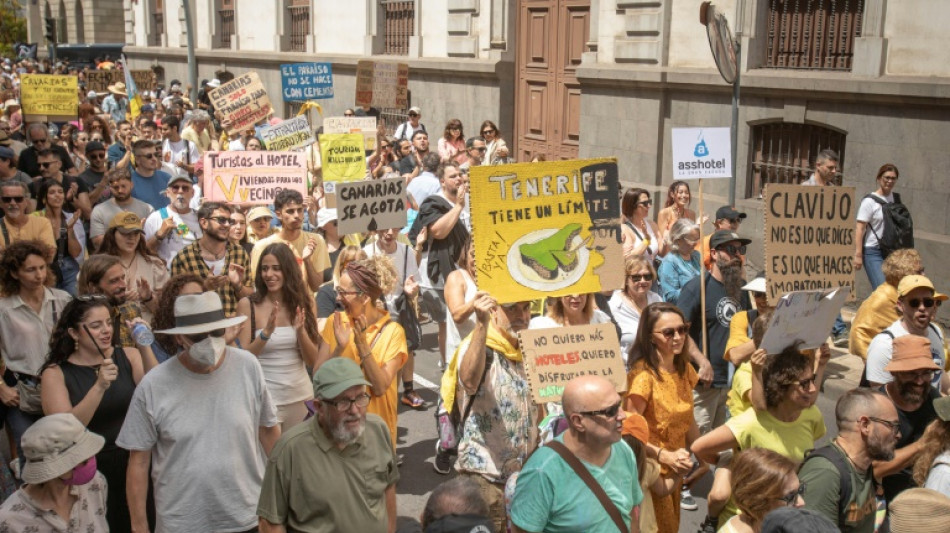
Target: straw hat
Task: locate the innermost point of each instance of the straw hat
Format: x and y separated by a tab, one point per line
56	444
920	510
118	88
200	313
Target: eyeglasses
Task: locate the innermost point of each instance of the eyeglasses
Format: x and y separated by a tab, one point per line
180	188
679	330
645	203
925	375
805	383
224	221
344	293
895	427
609	412
344	404
733	250
915	302
889	178
790	498
636	278
147	156
15	199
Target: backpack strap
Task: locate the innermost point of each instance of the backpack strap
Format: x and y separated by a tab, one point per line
585	475
841	463
489	358
864	376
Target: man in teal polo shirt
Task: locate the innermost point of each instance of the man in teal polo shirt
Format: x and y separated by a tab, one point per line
336	472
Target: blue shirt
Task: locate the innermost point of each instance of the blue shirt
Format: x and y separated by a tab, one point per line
116	152
151	190
551	498
675	272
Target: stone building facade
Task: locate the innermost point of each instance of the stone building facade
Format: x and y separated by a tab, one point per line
78	21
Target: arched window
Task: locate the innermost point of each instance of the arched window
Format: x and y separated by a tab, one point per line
80	23
784	152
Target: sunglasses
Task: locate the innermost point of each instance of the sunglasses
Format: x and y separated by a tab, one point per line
224	221
733	250
790	498
915	302
479	149
669	332
413	115
47	164
97	156
180	188
640	277
609	412
646	203
488	132
147	156
14	199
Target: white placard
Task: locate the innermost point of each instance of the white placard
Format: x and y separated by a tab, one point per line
701	153
803	317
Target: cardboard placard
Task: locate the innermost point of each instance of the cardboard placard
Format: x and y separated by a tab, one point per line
366	126
46	97
382	84
99	80
371	205
342	156
306	81
809	238
241	103
555	356
702	153
144	79
804	317
546	229
252	177
289	134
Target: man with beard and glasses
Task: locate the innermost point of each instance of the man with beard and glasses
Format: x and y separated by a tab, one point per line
77	194
205	423
336	472
917	301
17	225
550	494
839	477
913	369
169	229
94	177
120	183
488	372
105	275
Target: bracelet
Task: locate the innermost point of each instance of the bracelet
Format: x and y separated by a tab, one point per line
263	337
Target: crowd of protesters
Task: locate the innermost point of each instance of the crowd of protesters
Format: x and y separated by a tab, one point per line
177	364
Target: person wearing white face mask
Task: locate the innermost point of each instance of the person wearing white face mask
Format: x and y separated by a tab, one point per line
197	447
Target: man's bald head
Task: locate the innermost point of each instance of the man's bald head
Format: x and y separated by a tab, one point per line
586	393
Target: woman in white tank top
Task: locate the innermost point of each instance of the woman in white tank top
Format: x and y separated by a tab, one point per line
460	300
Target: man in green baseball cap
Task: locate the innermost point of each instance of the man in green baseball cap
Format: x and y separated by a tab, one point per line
340	443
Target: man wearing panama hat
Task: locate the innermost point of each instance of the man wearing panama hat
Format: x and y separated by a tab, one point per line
117	103
204	421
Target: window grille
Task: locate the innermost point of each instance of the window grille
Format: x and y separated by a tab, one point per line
784	152
399	17
299	27
225	27
812	34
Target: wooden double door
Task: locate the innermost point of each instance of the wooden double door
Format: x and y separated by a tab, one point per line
552	36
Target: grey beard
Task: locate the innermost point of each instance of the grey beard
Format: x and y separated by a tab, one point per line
344	436
732	279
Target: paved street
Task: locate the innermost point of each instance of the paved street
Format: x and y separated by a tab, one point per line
417	432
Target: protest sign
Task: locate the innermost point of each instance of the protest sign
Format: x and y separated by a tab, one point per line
99	80
144	79
371	205
306	81
809	238
241	103
803	317
555	356
342	156
382	84
701	153
547	229
252	177
48	97
366	126
289	134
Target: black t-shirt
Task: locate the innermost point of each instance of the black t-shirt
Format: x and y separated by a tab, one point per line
90	178
405	165
913	424
720	308
29	160
67	183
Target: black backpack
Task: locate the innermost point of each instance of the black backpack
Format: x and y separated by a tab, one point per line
898	230
844	471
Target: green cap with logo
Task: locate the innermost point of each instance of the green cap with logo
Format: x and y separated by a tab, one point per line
335	376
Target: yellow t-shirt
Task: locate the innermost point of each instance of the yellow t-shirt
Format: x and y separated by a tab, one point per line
737	400
738	333
390	345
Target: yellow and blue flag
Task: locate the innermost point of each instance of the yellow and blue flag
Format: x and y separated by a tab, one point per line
135	99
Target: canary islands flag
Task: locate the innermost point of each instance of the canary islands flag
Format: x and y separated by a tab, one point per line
135	99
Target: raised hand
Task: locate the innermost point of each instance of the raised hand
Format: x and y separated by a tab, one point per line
108	372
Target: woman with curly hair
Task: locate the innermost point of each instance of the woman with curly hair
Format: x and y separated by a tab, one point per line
762	481
932	468
364	333
145	272
165	346
452	143
88	377
660	389
282	331
97	125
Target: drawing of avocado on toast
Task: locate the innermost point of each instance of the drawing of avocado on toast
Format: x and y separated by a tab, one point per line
553	253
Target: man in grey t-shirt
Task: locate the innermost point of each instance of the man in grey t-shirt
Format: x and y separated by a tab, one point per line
120	183
205	422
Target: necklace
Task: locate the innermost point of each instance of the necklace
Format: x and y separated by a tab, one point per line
213	257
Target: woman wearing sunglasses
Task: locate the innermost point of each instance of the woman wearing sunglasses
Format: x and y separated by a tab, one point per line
570	310
762	481
639	233
660	389
683	262
627	304
496	152
789	424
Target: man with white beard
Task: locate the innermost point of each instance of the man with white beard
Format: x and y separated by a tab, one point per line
343	444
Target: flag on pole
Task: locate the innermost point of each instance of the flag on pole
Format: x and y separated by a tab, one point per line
135	99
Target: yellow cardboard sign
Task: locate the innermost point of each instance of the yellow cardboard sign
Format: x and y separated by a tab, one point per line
546	229
52	96
343	156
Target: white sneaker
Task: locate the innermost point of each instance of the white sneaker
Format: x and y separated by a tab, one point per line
687	502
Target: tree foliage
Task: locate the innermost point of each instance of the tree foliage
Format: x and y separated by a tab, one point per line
12	25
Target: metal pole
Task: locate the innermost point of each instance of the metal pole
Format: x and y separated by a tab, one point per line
192	66
735	123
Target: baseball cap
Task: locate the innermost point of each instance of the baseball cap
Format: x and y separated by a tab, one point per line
92	94
911	352
335	376
93	146
325	216
728	212
723	236
147	108
258	212
415	110
914	281
214	83
179	177
126	221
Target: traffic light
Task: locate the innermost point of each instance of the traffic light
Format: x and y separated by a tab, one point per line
50	29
